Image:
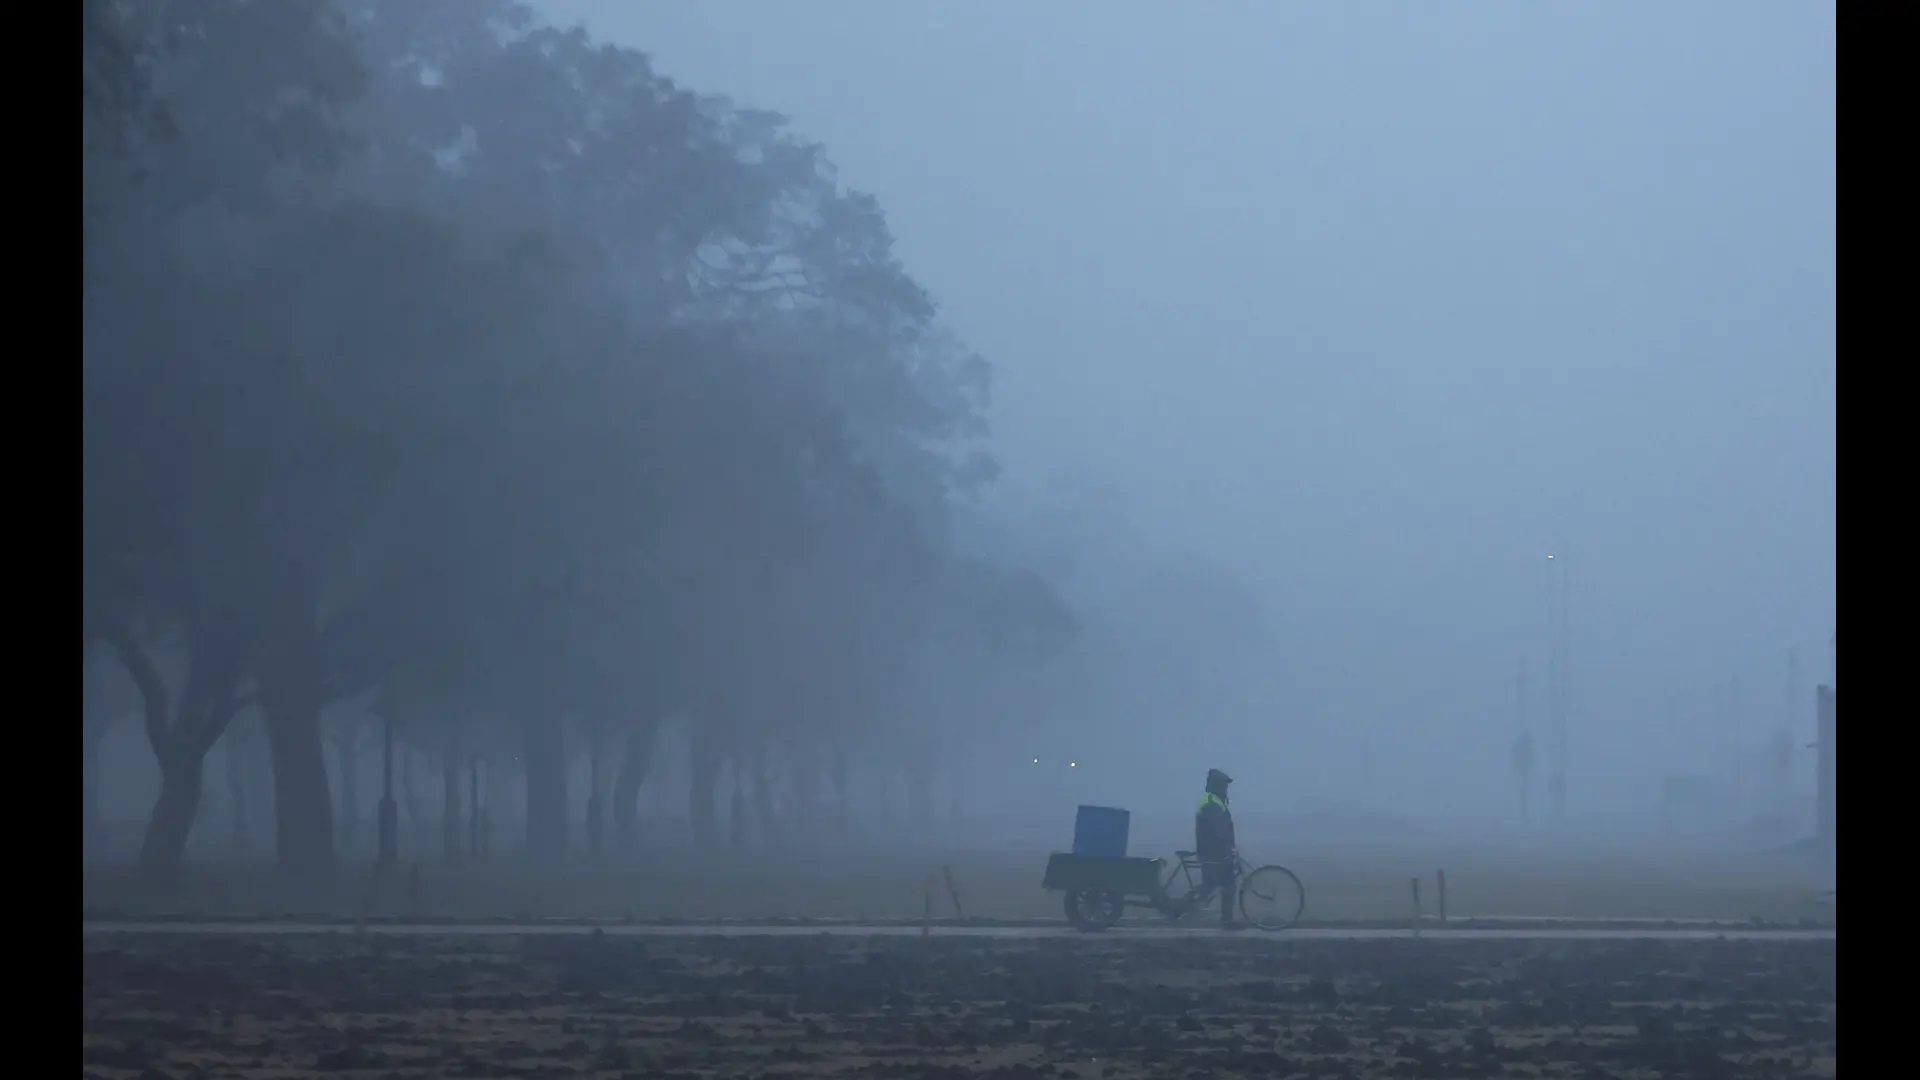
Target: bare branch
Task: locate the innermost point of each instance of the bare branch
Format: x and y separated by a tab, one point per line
153	689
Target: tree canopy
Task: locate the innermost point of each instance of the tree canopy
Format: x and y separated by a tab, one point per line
429	345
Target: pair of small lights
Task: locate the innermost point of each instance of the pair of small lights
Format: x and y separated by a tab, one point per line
1070	764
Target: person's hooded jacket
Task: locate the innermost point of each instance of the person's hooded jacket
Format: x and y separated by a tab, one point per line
1213	822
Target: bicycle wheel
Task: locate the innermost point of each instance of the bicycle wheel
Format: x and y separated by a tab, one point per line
1093	910
1272	898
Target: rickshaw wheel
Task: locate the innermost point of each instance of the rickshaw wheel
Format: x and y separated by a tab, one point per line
1092	910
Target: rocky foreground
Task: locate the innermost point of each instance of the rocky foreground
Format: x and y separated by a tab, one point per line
373	1005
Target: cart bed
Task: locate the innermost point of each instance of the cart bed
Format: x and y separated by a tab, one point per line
1080	873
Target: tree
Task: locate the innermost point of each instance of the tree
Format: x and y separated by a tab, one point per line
448	351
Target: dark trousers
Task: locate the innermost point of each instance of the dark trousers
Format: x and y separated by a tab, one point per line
1219	874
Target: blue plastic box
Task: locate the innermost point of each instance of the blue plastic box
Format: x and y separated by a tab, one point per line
1101	831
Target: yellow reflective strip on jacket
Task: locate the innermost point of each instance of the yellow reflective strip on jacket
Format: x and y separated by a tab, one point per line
1211	798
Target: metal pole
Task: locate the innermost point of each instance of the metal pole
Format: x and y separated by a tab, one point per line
1558	597
1783	739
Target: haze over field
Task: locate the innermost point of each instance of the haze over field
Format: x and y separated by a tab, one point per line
1200	386
1373	305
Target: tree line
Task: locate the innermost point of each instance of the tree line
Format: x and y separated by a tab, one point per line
440	358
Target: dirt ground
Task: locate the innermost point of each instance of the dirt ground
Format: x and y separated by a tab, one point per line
1214	1006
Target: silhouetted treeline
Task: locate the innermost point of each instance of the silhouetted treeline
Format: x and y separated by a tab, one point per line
471	373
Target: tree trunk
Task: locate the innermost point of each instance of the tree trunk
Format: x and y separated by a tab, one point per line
180	741
292	700
165	844
387	834
93	730
837	766
633	773
90	785
302	810
702	784
596	809
173	813
763	795
451	813
409	795
231	755
806	789
546	778
737	807
347	761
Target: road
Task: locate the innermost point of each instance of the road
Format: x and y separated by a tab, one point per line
1540	933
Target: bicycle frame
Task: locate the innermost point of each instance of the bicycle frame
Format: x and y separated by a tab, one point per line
1199	892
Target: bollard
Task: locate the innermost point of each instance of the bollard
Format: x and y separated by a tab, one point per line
1416	907
1440	879
926	911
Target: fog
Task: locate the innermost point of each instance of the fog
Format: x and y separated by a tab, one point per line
1374	306
1266	353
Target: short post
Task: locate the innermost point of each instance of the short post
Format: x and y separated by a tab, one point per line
1416	906
926	911
1440	880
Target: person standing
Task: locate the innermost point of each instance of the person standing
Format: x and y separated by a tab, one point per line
1213	843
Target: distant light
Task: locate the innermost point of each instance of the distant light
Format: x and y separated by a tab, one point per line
1036	761
1073	764
1549	555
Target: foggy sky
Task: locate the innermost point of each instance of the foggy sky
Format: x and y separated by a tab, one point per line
1376	305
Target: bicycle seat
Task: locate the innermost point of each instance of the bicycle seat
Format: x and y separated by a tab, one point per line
1185	855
